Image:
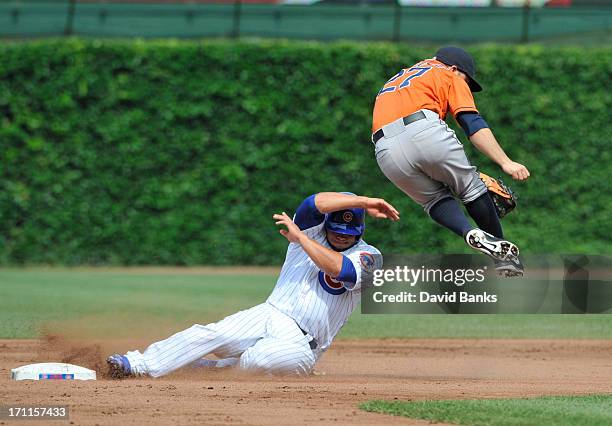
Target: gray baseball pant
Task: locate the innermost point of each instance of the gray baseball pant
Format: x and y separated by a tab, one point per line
426	160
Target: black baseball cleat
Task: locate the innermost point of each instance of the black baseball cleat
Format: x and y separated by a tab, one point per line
509	268
488	244
118	366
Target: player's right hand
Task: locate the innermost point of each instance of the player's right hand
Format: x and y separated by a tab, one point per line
516	170
293	232
380	209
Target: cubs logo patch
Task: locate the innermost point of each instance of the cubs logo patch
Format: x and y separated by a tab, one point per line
331	285
367	261
347	216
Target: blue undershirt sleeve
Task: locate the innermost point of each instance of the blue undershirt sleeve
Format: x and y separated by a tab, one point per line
307	215
471	122
348	274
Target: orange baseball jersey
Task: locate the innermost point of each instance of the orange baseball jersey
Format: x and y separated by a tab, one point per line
431	85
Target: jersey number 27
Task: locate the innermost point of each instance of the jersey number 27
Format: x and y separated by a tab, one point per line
394	82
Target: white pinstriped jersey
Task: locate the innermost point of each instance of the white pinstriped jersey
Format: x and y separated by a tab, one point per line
319	304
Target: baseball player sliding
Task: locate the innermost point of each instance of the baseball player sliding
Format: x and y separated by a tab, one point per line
417	151
318	288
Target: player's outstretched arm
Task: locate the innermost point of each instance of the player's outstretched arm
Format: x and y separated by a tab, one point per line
327	202
326	260
486	143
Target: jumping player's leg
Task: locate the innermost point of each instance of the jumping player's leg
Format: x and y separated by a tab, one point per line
399	160
444	160
447	212
462	179
415	161
229	337
429	164
448	163
483	211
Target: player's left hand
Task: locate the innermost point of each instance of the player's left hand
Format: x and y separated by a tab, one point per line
380	209
516	170
293	232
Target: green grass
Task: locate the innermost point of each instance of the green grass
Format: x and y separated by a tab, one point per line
480	326
559	411
98	303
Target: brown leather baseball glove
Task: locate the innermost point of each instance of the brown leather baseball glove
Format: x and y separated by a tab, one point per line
503	197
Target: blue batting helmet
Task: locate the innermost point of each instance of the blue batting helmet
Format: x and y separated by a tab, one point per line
348	221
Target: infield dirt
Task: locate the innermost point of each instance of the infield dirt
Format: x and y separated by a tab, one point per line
351	372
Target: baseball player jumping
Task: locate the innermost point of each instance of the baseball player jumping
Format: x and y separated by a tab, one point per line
318	288
417	151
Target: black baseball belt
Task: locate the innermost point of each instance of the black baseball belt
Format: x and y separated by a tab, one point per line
419	115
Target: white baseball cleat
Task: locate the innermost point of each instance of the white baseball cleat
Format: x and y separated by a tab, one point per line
494	247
